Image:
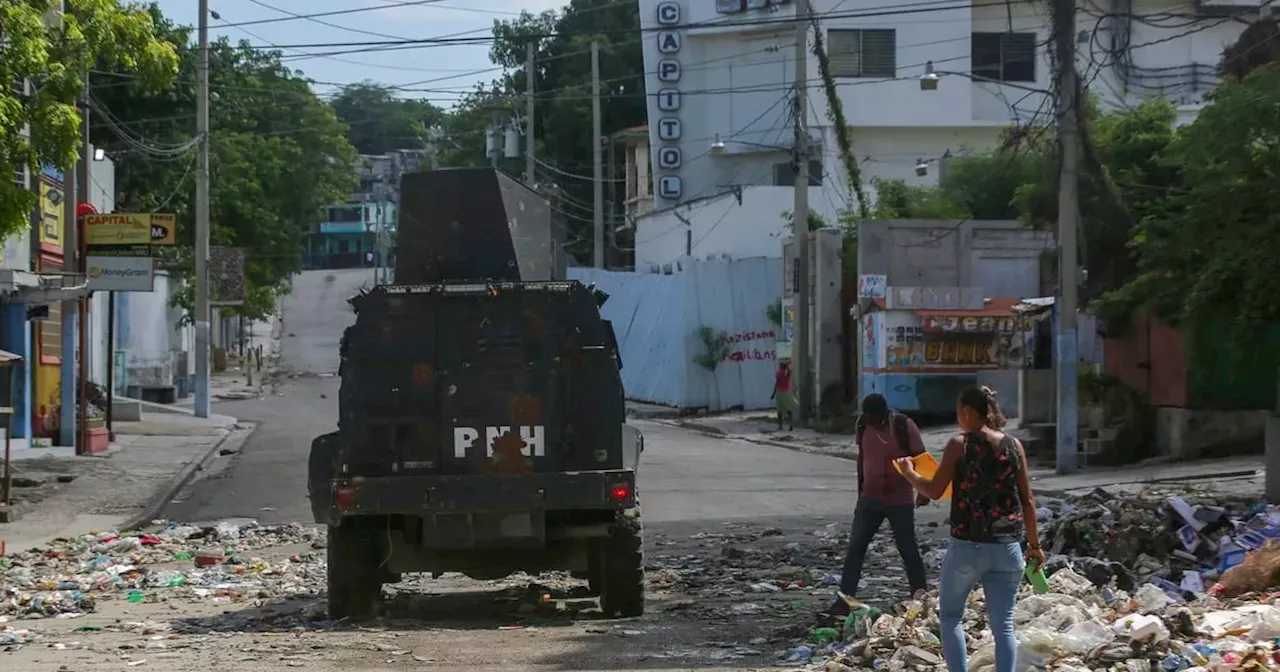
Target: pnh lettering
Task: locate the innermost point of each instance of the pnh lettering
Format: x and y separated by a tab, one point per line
534	437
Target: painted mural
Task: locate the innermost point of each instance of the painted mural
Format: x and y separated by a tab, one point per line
959	342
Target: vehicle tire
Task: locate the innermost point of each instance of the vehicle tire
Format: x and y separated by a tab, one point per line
354	578
622	560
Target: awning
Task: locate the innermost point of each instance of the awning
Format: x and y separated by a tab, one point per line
38	288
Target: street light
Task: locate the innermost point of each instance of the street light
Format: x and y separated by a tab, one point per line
929	80
717	146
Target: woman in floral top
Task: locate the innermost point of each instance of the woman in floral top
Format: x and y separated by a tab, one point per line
991	507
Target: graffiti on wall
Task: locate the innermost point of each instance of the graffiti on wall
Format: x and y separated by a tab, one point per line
750	346
872	286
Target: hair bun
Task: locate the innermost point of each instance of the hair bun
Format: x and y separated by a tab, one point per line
990	393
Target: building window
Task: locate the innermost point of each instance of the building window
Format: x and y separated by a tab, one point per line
340	214
784	174
863	53
1005	57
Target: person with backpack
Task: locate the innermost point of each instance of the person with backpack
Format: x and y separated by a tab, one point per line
883	436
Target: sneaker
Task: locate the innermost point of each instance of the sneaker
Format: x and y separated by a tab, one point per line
838	609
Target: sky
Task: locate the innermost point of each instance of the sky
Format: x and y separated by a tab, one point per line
446	70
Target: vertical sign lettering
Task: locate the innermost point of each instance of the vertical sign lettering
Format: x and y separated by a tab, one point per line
669	157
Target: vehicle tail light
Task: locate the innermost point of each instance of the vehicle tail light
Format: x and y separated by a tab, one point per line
620	492
344	498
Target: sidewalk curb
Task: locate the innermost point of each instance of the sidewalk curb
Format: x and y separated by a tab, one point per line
799	448
237	436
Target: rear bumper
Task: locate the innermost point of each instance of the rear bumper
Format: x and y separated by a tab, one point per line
430	494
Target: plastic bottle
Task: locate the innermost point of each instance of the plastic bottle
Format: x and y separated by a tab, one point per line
1035	576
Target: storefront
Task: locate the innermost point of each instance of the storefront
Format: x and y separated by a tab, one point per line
920	360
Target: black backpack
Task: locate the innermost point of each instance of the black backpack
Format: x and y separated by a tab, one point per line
900	432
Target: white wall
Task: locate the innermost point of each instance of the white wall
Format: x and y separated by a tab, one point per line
721	225
656	319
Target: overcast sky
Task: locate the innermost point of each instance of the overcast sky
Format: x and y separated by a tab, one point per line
444	69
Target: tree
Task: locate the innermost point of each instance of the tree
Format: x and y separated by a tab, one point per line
1125	178
277	155
563	86
1209	255
380	122
97	33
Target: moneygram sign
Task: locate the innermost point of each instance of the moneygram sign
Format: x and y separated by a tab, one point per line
120	274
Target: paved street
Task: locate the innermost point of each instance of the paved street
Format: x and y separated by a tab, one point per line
687	477
700	493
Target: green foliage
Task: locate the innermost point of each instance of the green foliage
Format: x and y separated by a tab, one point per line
379	122
815	220
278	154
774	313
92	33
895	199
835	112
1212	245
715	348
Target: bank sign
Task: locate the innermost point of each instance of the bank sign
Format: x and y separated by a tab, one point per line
670	158
120	274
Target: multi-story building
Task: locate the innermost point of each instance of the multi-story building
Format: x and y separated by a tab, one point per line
720	83
349	234
365	225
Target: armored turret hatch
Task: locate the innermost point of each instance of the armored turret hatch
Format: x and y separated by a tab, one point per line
474	224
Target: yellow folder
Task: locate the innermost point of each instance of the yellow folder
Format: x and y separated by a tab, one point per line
926	466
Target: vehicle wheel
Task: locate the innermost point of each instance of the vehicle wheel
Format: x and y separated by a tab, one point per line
622	559
595	568
355	580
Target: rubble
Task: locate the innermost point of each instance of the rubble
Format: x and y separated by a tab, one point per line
69	577
1127	592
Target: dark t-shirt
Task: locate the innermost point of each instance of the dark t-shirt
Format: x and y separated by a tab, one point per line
985	504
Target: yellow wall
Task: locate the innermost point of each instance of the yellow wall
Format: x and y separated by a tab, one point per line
48	376
51	214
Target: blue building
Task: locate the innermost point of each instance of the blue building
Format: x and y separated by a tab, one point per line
349	233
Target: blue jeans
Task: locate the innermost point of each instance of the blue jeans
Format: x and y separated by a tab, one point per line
999	567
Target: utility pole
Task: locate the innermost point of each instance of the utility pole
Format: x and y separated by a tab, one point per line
75	190
1068	227
202	217
597	159
84	180
800	217
529	76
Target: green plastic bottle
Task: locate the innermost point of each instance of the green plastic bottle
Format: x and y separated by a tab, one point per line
1035	576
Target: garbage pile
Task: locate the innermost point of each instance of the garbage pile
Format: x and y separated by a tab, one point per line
1074	627
1151	539
68	577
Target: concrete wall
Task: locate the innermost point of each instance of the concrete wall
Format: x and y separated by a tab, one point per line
147	333
825	310
1186	433
1002	257
656	319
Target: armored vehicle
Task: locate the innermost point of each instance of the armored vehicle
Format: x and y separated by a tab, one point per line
481	426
